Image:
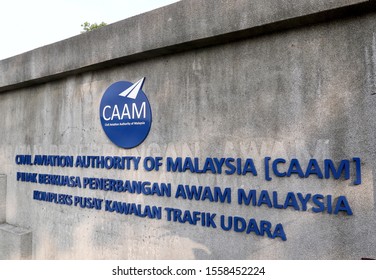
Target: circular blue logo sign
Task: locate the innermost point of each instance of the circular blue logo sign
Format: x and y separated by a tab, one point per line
125	114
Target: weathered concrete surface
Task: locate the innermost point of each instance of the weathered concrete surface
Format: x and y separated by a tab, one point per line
180	26
15	243
3	197
303	93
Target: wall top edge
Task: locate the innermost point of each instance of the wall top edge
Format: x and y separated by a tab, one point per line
176	27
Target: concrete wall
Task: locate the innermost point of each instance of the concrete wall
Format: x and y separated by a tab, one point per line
247	79
3	196
15	243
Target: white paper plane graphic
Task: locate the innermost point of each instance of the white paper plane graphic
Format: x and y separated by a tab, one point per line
133	90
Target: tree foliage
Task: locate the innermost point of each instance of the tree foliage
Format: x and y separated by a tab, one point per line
87	26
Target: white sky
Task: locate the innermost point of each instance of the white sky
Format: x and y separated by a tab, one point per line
29	24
